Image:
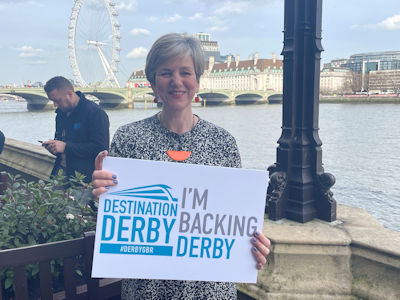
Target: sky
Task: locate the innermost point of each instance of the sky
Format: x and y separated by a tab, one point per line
34	33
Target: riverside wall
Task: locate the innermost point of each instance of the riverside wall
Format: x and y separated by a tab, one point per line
31	161
354	257
359	99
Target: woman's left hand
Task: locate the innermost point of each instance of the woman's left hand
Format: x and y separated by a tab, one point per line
260	248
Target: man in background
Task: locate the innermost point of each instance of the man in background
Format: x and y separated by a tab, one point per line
82	129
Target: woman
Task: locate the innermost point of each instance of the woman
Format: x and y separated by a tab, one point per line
173	67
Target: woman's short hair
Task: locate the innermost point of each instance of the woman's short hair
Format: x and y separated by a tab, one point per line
170	46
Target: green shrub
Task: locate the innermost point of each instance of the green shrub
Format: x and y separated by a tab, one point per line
40	212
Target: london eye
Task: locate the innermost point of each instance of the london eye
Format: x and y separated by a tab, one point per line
94	43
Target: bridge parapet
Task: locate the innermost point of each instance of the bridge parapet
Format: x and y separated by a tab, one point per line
124	97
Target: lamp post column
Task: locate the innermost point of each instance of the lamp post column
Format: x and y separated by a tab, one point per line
298	187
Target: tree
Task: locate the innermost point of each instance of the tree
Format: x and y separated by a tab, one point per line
353	82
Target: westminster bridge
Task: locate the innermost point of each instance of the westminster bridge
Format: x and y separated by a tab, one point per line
36	98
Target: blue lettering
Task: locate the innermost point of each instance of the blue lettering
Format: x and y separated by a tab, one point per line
140	209
115	206
193	246
205	246
228	247
168	229
148	209
174	210
178	252
121	228
122	210
217	248
104	228
107	205
137	228
152	229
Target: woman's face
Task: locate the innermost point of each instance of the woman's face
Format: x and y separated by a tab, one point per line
176	83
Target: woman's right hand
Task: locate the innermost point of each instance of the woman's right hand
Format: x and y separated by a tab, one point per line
102	180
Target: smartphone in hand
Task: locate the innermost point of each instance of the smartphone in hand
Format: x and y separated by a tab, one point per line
40	142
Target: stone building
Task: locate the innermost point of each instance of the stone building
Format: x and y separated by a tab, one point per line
384	81
335	80
252	74
138	79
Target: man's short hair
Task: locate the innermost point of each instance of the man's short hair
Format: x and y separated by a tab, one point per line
58	83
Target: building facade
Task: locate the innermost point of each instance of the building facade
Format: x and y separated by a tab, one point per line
138	80
386	81
335	80
371	61
210	48
253	74
229	72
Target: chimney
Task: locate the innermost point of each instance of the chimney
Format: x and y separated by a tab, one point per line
211	61
273	57
255	58
237	59
228	63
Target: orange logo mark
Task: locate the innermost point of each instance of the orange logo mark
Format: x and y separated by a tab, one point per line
179	155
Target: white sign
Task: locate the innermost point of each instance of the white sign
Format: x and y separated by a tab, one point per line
179	221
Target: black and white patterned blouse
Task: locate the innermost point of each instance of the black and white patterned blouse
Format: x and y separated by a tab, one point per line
210	145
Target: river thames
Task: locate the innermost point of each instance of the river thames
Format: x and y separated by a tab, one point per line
360	148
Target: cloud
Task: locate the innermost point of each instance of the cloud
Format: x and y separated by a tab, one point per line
170	19
29	2
232	8
37	62
196	16
127	5
153	19
218	24
123	5
29	51
139	52
174	18
139	31
219	28
35	3
391	23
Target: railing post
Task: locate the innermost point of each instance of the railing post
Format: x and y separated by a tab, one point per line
299	188
92	283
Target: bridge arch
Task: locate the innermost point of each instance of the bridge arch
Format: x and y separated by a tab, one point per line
212	98
108	99
275	98
34	101
144	95
249	98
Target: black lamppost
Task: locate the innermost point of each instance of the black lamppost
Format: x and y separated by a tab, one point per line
298	187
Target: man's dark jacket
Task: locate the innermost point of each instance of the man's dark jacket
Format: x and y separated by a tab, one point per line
86	133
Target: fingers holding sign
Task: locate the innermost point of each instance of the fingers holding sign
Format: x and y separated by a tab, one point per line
102	180
260	248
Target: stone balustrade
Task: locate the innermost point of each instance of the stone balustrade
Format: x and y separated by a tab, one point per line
354	257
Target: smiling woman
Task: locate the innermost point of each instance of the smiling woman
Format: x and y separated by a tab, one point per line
173	67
